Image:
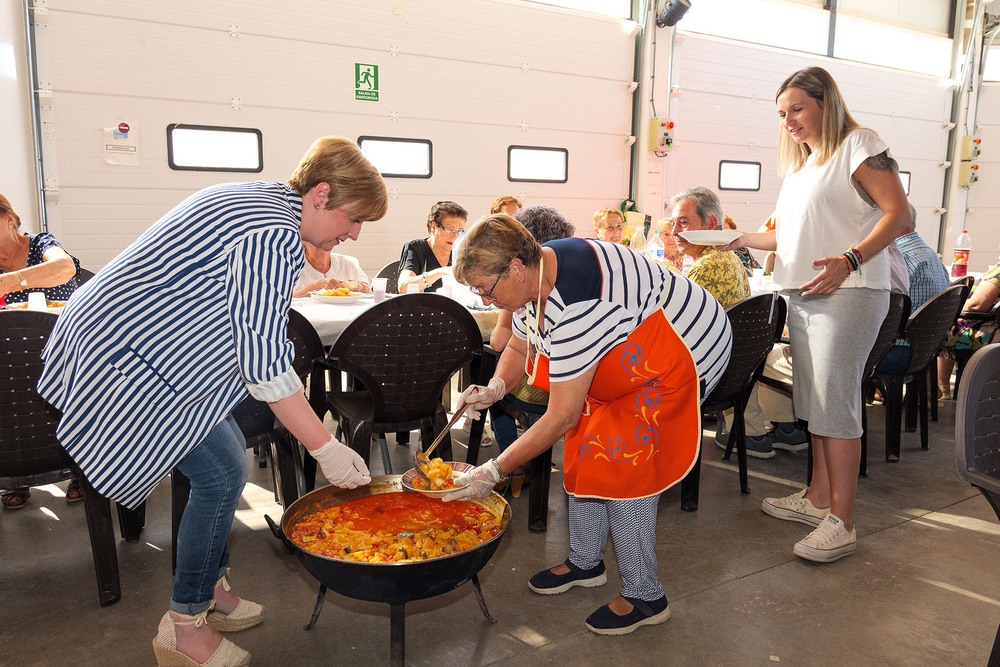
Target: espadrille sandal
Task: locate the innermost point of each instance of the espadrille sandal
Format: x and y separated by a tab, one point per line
165	646
246	615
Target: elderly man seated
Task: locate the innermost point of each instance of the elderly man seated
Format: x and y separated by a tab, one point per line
721	273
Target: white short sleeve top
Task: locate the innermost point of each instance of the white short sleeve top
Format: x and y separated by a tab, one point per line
820	214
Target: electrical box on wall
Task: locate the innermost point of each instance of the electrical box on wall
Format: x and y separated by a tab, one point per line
968	169
661	134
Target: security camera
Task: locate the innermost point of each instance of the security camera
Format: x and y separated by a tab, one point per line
672	12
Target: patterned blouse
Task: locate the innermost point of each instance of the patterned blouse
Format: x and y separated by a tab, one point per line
38	244
722	274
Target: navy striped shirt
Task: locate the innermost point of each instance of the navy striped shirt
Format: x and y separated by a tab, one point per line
604	291
167	339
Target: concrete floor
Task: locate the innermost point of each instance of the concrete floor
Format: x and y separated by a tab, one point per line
923	588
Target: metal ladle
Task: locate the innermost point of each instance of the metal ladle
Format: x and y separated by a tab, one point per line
422	458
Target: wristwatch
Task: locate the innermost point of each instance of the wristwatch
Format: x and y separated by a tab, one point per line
21	281
499	473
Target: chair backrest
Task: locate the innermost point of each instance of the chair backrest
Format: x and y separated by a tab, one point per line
30	454
968	281
405	350
255	417
929	325
83	275
391	273
891	329
977	420
757	324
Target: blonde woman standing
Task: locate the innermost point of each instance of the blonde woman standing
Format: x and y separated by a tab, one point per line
840	205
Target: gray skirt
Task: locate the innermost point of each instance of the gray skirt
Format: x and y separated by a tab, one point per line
832	335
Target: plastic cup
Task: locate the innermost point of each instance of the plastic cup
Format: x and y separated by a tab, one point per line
36	301
757	279
378	289
412	288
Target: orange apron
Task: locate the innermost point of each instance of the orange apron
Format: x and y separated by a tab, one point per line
640	431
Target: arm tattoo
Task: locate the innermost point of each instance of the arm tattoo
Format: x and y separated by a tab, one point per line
882	162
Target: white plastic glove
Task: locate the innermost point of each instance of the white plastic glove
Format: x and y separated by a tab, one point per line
341	465
477	397
477	483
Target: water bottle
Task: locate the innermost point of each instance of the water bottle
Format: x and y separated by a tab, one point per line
688	263
454	247
655	249
960	261
638	241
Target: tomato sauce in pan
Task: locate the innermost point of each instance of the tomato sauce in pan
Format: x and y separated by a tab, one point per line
393	527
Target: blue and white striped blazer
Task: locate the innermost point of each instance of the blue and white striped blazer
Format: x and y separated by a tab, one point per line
153	352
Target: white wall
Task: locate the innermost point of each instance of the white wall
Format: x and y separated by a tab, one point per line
17	174
983	203
726	111
473	77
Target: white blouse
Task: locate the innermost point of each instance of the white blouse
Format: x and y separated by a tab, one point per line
342	267
820	214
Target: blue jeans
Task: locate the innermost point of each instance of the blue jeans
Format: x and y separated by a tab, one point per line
218	469
504	427
895	361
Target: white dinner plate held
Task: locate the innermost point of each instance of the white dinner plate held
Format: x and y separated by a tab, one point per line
338	300
710	236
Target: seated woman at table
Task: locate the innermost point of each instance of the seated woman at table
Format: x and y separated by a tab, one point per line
506	204
545	224
330	270
970	334
609	225
627	351
425	262
33	263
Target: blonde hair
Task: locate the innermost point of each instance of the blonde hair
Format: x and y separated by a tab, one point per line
500	202
817	83
339	163
5	208
492	245
728	222
604	213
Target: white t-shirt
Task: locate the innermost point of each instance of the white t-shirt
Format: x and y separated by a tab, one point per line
820	214
342	267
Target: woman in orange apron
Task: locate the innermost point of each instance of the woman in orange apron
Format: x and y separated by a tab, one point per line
626	350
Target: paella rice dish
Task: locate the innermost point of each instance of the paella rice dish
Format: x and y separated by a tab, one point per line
395	527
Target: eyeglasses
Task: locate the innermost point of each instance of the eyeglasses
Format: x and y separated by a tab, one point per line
613	228
488	295
451	230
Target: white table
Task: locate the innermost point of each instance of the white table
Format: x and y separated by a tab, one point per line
330	320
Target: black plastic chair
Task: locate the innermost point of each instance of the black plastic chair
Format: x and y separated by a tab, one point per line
757	324
83	275
539	471
932	370
977	434
30	453
391	274
404	352
262	431
925	330
962	356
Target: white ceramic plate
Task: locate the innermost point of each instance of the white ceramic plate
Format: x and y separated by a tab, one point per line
710	236
456	466
339	300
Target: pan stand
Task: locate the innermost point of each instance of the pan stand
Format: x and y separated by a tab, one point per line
397	621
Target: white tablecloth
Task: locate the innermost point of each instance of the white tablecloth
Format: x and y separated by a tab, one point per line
330	320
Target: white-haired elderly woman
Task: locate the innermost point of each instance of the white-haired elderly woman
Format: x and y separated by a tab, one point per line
626	350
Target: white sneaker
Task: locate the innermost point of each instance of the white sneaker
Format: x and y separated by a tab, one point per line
795	507
829	542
